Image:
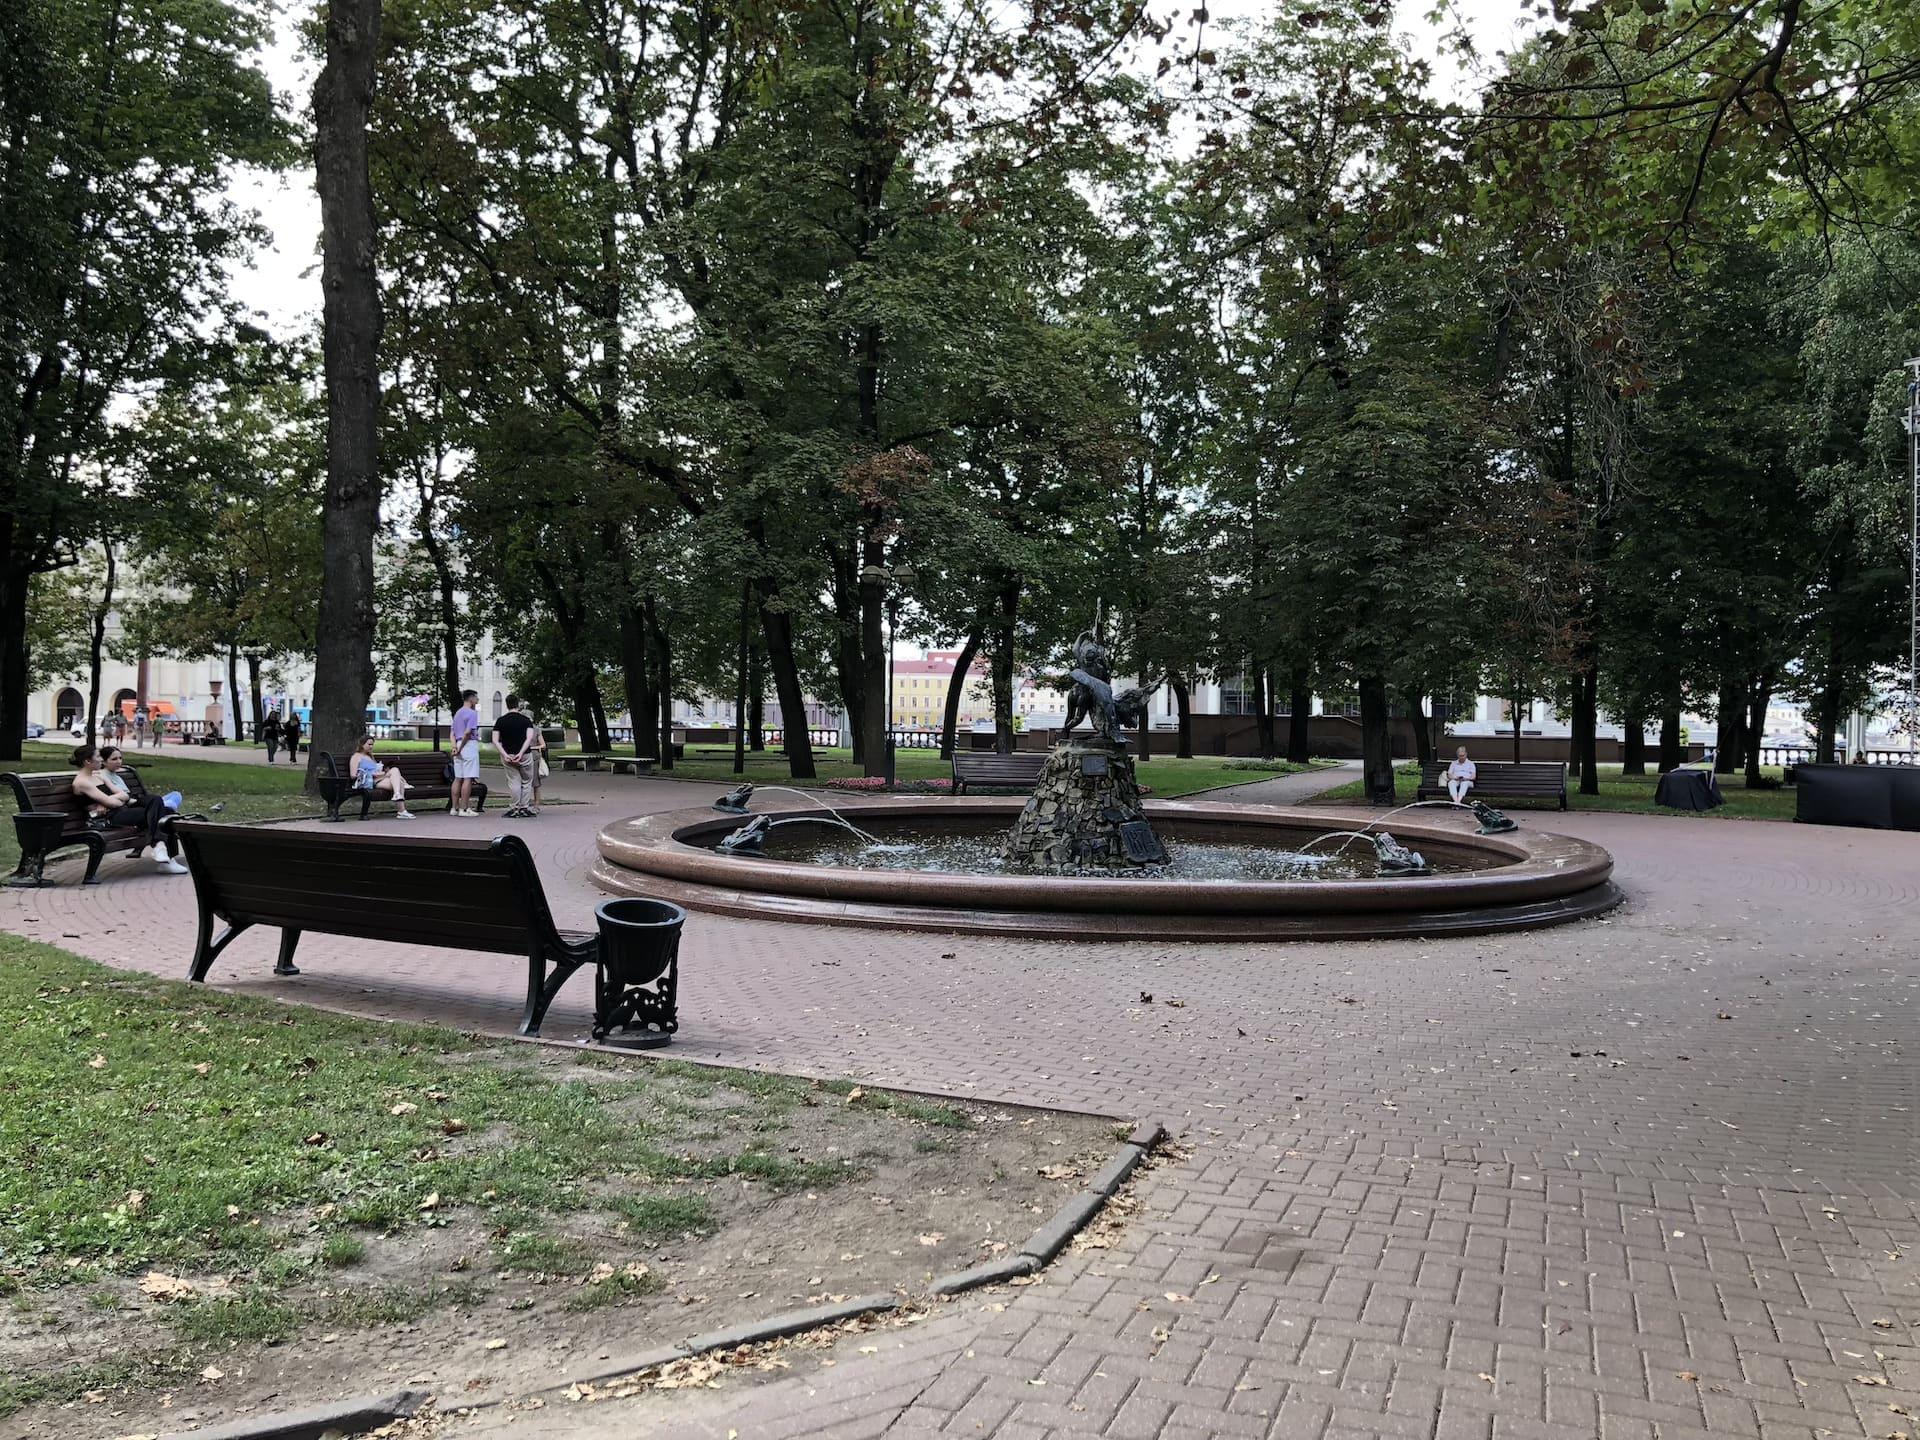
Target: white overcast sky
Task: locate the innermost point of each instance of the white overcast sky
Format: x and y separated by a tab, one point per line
283	283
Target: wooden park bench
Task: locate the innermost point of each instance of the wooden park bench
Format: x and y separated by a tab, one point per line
1503	779
582	762
52	793
1018	771
423	770
482	895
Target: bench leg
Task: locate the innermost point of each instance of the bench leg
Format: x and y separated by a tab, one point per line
289	938
208	947
541	988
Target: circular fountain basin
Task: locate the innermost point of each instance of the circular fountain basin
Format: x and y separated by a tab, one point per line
1480	882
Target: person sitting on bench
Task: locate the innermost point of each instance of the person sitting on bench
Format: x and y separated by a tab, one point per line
112	806
1460	776
369	774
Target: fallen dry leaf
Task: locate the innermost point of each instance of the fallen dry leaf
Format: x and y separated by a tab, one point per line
405	1107
98	1062
165	1287
932	1237
213	1372
453	1127
496	1344
1869	1380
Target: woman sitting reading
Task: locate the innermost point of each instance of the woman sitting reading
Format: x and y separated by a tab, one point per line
370	776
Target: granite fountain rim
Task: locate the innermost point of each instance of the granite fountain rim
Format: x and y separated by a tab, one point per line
1546	878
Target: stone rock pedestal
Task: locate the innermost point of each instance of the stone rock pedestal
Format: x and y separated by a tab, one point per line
1073	824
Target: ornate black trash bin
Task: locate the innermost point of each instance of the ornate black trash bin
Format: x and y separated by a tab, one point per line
39	835
639	971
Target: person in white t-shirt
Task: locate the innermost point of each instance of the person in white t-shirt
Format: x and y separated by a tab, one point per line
1460	776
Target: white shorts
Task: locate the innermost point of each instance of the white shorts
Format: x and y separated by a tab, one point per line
467	766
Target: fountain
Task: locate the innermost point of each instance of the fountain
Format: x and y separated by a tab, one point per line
1085	857
1085	815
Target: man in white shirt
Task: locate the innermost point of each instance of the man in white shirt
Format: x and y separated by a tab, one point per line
1460	776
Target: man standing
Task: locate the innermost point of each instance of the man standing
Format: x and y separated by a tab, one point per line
466	754
513	738
140	726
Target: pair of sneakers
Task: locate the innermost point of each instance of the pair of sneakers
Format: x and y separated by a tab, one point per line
468	811
522	812
163	861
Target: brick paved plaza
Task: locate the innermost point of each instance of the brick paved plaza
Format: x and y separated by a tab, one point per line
1648	1176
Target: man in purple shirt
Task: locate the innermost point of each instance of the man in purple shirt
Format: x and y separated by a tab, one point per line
466	753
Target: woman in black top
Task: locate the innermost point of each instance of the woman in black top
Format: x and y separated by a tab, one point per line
111	806
292	733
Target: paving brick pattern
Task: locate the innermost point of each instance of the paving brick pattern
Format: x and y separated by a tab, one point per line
1650	1176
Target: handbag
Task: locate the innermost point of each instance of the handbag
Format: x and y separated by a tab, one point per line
544	771
446	773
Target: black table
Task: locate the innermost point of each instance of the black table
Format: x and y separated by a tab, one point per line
1689	790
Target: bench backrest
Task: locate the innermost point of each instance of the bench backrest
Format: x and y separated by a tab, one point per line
423	769
53	790
1023	763
1549	776
462	894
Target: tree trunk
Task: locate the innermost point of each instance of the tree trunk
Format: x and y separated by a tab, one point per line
1422	728
1633	744
97	645
1586	727
1516	707
1003	667
13	658
756	696
1672	754
1759	697
875	699
1299	714
636	671
1827	722
1376	741
847	665
777	626
233	688
1183	706
350	342
1728	754
662	719
740	693
1263	711
957	690
256	702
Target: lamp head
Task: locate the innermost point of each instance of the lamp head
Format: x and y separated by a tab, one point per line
736	800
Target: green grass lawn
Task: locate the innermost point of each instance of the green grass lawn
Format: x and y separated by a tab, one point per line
269	1157
1632	794
1166	776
